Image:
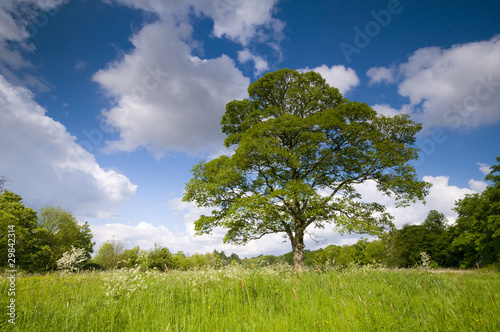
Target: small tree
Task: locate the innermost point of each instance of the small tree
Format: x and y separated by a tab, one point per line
72	260
300	149
110	253
158	257
60	231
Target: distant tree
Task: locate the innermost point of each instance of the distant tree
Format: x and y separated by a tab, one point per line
435	222
158	257
23	221
61	232
234	258
375	252
110	254
198	261
181	262
300	149
345	256
404	246
477	229
72	260
359	255
130	257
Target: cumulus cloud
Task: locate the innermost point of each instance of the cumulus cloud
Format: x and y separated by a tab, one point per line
20	20
167	99
477	186
456	88
45	164
386	110
484	168
381	75
238	20
145	234
339	76
260	64
442	197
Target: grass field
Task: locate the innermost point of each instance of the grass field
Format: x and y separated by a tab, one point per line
235	299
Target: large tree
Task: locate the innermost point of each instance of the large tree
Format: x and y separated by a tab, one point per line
300	149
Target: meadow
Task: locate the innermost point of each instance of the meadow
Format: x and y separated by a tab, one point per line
264	299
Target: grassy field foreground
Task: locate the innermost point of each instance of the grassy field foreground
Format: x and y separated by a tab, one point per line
266	299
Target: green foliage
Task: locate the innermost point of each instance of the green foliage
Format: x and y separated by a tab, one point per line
295	139
110	254
72	260
130	257
477	230
432	237
157	258
61	232
376	252
40	240
346	256
27	246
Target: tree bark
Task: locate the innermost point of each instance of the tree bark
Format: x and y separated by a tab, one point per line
298	254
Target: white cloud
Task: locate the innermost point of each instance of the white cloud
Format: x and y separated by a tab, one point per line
45	164
166	98
260	64
441	198
238	20
381	75
477	186
386	110
484	168
457	88
145	235
339	76
20	20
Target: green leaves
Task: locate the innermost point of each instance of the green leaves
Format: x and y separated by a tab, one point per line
477	228
40	241
299	149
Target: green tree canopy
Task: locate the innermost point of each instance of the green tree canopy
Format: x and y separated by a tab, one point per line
477	230
61	231
299	150
24	220
109	254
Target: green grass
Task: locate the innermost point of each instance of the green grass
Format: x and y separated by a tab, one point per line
262	300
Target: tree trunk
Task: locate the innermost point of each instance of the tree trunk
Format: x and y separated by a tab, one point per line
298	255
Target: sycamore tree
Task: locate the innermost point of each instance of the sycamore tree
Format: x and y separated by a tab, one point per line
300	149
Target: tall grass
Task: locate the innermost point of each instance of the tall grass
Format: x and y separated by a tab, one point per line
234	299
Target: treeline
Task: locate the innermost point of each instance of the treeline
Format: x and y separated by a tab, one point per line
431	244
54	239
34	242
472	241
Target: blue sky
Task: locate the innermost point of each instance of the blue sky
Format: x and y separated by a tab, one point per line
106	105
